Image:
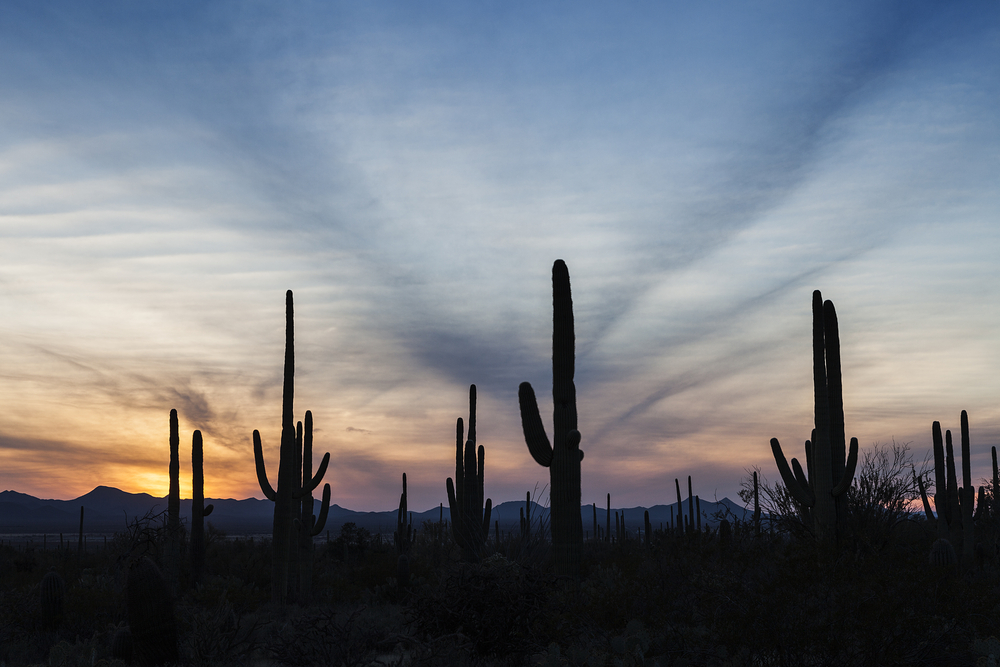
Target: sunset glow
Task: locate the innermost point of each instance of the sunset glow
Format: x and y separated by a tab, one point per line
411	172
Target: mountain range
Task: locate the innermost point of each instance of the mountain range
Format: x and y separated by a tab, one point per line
109	510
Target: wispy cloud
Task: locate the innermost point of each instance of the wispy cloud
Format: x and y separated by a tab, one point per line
167	172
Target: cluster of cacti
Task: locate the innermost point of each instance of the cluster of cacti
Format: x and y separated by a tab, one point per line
955	517
470	521
563	456
151	618
821	495
294	484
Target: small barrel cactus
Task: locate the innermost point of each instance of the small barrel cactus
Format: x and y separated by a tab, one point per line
52	596
151	614
943	554
121	644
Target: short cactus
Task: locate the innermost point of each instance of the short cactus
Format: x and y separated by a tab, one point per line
943	554
402	537
151	614
51	598
121	644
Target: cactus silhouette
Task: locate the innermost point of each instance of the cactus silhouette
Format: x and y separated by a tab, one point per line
470	521
821	497
198	508
173	550
121	644
563	456
51	598
309	525
955	518
287	496
403	535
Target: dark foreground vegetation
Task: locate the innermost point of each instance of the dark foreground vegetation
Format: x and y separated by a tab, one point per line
833	569
707	598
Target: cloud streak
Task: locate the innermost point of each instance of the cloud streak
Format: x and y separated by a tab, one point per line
166	173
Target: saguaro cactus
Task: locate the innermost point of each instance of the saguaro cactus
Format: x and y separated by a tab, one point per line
821	496
954	504
564	455
173	554
309	525
470	522
403	535
287	496
198	508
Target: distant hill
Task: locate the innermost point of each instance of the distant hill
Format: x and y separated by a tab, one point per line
108	510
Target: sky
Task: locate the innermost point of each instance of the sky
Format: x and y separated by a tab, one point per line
412	170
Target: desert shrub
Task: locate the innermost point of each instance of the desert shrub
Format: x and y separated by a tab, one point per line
883	494
496	603
332	635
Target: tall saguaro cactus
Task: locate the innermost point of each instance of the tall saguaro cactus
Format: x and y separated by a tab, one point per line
470	521
287	496
563	456
198	508
174	505
822	495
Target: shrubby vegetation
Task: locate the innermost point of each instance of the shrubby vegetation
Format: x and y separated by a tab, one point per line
695	599
834	569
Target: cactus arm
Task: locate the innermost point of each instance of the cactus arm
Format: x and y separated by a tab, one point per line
851	467
954	511
980	504
480	488
324	509
940	481
454	509
923	497
316	479
788	477
459	469
487	513
996	485
969	493
531	423
801	478
258	456
208	509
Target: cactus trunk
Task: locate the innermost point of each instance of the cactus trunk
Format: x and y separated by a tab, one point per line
564	455
198	509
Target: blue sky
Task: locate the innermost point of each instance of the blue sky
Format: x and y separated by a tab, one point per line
411	171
